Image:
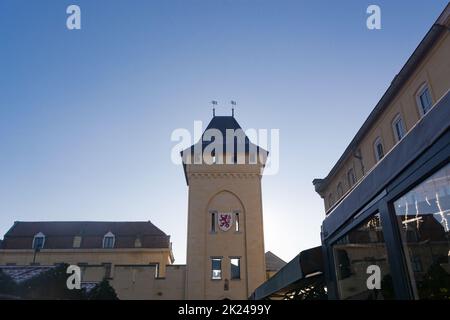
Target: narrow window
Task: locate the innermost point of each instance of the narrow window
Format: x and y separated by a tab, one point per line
399	128
216	268
424	100
330	200
108	241
38	241
235	268
378	148
236	222
351	178
340	190
213	221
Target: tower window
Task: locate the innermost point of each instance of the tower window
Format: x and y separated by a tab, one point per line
378	148
109	240
216	268
213	221
235	268
399	128
38	241
236	222
424	100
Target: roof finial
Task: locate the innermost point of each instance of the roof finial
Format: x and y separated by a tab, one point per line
214	103
233	103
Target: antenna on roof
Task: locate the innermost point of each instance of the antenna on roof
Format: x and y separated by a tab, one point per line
214	103
233	103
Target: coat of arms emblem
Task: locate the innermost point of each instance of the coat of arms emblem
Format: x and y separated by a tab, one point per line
225	221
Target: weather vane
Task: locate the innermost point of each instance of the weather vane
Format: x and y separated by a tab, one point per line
214	104
233	104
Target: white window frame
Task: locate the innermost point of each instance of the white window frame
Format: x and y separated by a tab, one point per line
375	149
398	119
109	235
39	235
213	277
419	93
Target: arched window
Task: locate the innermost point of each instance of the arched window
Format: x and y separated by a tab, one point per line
330	200
378	149
398	127
109	240
340	190
38	241
351	178
423	99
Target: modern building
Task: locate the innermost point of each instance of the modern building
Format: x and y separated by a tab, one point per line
387	199
225	241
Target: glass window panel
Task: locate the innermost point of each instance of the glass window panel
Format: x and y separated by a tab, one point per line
38	243
216	268
425	100
399	129
354	253
235	268
423	219
108	242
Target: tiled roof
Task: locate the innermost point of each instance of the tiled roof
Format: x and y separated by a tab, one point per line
60	235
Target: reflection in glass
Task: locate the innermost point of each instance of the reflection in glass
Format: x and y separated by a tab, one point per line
353	253
423	216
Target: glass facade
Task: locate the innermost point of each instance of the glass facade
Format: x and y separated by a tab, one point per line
362	247
423	216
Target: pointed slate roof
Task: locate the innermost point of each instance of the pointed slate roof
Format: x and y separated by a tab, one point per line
222	124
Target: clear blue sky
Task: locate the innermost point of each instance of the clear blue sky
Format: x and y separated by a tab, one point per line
86	116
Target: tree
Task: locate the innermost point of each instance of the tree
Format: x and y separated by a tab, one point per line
103	291
436	283
7	285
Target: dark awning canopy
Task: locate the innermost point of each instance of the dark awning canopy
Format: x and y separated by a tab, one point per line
307	265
